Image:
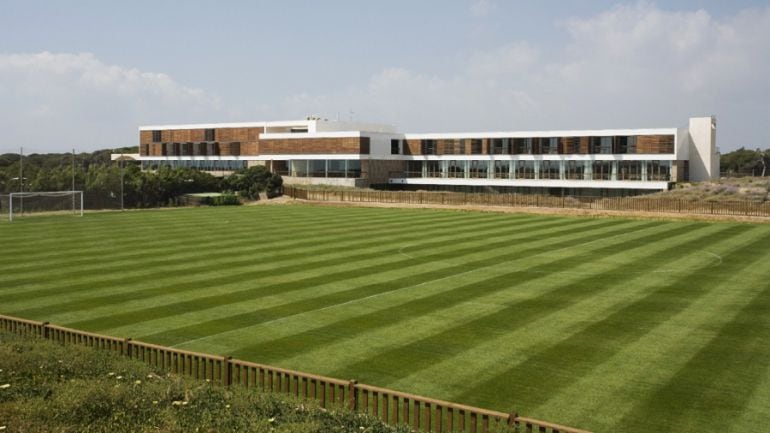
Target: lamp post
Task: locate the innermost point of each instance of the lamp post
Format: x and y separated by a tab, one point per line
122	171
21	190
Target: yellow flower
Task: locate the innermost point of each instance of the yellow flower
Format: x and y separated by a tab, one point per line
138	382
7	385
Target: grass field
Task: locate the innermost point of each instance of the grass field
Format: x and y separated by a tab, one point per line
608	324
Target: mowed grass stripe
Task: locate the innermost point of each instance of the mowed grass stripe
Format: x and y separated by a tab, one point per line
453	341
632	374
198	256
196	232
165	242
192	283
718	374
156	276
287	346
565	362
290	286
376	355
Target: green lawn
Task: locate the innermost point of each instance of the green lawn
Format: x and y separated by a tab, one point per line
608	324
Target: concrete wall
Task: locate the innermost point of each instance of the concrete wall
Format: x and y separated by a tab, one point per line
704	160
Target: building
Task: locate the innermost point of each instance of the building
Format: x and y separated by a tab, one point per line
319	151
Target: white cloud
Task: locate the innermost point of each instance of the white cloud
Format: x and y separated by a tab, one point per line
630	66
481	7
57	101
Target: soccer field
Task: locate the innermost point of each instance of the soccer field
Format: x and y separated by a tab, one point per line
607	324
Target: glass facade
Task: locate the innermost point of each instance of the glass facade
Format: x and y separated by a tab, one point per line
542	169
344	168
203	165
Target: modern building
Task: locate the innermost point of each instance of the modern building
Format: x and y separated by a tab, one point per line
319	151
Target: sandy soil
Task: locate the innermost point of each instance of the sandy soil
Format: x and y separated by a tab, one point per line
535	210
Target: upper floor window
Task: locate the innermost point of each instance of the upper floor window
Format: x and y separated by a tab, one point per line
395	146
156	136
476	147
428	147
209	135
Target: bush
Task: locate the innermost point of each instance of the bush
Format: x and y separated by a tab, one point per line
225	200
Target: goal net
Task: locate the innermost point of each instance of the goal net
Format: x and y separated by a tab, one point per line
17	204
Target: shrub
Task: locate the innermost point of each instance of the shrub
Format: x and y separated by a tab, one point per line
225	200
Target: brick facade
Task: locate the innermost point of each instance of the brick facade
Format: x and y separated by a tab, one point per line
351	145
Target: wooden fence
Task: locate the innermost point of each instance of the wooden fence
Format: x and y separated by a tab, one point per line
625	204
394	407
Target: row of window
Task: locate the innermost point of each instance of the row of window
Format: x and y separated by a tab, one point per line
203	165
539	146
556	170
208	135
190	149
345	168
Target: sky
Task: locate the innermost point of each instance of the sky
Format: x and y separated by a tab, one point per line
86	74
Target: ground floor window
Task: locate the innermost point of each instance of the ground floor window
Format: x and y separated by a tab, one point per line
203	165
659	170
544	169
344	168
525	169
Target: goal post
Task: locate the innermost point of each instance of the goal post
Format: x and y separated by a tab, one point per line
44	202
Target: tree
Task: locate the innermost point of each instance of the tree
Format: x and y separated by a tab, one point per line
251	181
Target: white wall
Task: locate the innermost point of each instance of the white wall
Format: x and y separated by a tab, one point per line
704	161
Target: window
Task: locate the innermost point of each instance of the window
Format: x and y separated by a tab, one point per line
499	146
414	169
395	146
625	144
156	136
658	170
476	147
502	169
432	168
550	145
522	146
629	170
428	147
549	169
525	169
209	135
478	169
574	170
601	170
456	169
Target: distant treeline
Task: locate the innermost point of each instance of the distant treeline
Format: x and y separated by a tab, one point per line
100	179
745	162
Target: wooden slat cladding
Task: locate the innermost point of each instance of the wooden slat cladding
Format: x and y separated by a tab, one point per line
145	137
232	148
655	144
412	147
349	145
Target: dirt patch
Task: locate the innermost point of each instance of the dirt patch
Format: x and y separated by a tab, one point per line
541	211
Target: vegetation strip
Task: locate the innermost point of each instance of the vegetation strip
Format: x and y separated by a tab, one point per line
334	392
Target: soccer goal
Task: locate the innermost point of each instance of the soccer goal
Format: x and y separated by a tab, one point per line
61	202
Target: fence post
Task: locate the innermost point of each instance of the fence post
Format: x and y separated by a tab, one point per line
352	395
45	330
512	419
127	347
226	370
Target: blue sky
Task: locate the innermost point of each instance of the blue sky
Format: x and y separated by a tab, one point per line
85	74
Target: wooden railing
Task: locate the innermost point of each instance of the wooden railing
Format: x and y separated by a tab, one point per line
625	204
394	407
